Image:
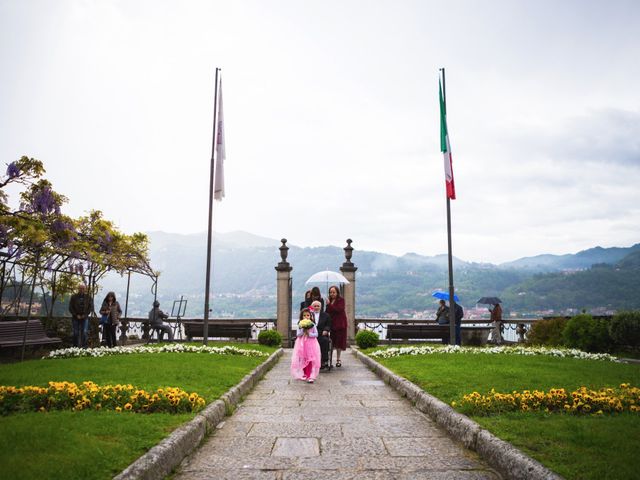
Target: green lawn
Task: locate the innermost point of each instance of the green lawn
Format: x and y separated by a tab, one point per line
100	444
576	447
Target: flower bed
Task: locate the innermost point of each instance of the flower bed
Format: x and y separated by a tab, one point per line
509	350
580	401
171	348
89	396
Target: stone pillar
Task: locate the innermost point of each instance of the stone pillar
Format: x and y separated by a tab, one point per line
348	269
283	290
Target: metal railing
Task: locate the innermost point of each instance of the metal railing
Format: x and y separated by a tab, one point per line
511	327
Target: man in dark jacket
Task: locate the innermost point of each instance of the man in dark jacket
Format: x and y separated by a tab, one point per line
459	314
323	324
80	306
156	317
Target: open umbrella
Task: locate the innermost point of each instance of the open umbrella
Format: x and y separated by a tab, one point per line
327	277
489	301
444	296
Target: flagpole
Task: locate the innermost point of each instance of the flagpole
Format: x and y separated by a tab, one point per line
205	327
452	302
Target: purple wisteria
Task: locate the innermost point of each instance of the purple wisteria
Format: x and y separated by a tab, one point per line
13	170
44	202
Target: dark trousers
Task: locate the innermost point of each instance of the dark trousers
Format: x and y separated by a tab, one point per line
162	329
324	349
458	334
109	334
79	332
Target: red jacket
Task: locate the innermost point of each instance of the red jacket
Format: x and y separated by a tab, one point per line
337	314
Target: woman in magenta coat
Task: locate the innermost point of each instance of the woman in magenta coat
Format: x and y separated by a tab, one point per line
335	309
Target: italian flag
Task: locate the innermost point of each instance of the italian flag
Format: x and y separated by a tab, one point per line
445	147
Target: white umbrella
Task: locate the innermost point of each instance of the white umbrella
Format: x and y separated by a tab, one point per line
327	277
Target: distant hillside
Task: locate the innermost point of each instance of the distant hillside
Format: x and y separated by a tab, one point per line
244	277
613	286
580	260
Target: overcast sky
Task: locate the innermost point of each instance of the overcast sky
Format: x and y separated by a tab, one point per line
331	117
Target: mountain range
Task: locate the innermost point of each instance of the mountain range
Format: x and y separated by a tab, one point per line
243	279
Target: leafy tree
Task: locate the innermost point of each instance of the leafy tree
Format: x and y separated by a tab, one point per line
54	250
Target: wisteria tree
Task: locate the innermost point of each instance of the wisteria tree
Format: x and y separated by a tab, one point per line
53	250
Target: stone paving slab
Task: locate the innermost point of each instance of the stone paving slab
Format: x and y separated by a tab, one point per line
347	425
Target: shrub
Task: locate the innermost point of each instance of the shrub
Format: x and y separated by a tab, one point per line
270	337
367	339
588	334
625	329
547	332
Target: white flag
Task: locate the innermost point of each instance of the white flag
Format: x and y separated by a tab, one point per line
218	192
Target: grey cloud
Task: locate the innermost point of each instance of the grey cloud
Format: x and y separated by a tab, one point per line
606	136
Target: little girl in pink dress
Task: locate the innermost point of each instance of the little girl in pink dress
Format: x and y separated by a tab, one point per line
305	361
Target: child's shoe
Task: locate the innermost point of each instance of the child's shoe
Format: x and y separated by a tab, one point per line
304	378
310	380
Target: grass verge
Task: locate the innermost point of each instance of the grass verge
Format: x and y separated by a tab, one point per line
100	444
576	447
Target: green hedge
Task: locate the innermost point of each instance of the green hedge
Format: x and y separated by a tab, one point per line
625	329
547	332
367	339
587	333
270	337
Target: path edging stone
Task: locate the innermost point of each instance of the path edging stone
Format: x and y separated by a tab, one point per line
501	455
160	460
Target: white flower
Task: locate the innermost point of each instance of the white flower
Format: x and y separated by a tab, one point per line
171	348
494	350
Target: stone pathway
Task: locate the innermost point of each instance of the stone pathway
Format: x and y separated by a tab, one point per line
347	425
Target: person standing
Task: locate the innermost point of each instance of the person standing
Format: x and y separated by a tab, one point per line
323	324
307	300
496	321
459	312
336	310
442	315
156	317
111	309
316	296
305	360
80	306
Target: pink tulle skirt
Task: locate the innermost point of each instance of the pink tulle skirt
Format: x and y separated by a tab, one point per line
305	352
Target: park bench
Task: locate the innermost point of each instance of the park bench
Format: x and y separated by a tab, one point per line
421	332
194	329
12	333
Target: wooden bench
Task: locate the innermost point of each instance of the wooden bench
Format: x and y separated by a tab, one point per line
218	330
12	333
422	332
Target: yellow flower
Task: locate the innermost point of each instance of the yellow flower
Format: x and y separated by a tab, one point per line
128	406
118	409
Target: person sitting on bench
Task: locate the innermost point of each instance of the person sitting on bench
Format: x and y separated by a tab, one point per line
323	324
155	320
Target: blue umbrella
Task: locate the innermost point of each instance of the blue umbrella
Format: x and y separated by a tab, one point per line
444	296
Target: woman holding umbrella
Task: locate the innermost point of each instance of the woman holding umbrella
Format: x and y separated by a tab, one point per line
336	310
496	320
496	317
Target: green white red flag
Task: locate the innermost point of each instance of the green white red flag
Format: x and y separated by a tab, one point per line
445	147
